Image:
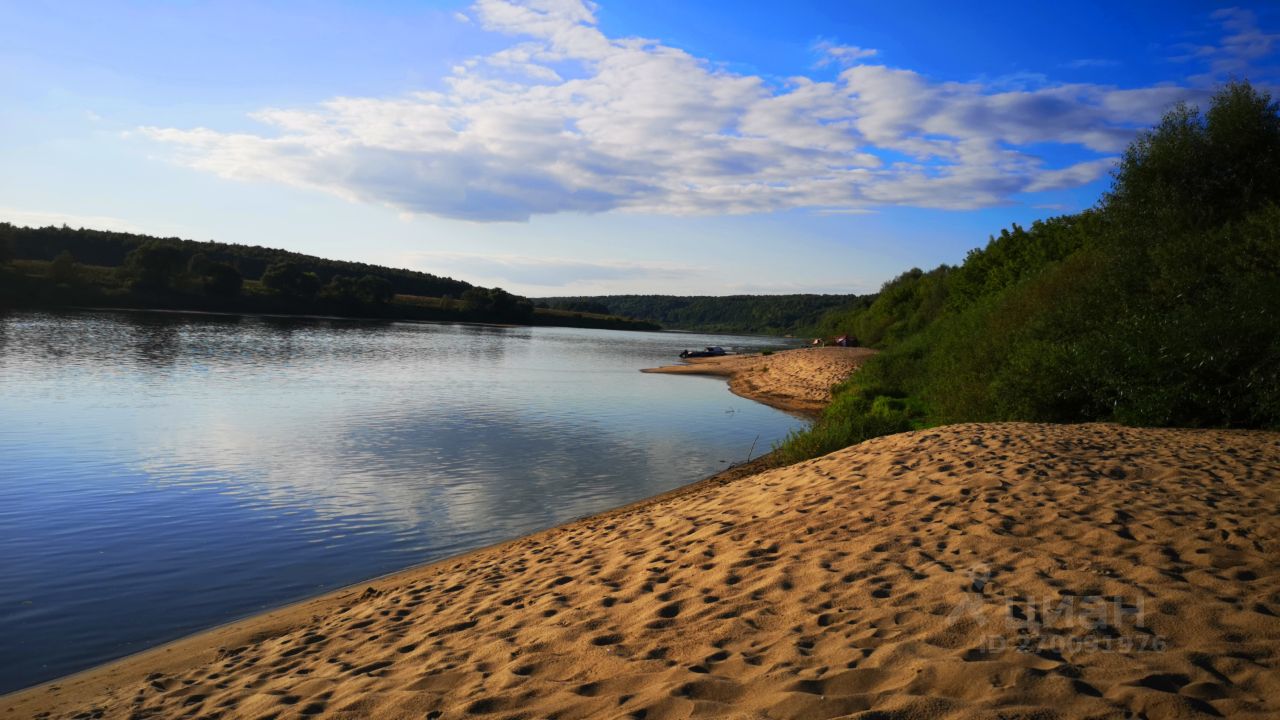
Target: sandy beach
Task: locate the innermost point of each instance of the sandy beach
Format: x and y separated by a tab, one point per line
797	380
972	571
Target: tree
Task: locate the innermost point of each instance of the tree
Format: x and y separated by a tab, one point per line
221	280
374	290
497	304
288	279
6	250
64	269
1201	169
340	288
153	265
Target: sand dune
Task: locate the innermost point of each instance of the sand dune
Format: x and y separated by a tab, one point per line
795	380
973	571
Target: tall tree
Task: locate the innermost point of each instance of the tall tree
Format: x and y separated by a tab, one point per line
154	265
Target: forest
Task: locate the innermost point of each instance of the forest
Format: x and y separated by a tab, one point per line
65	267
754	314
1160	306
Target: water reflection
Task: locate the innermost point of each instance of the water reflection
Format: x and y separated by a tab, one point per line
167	472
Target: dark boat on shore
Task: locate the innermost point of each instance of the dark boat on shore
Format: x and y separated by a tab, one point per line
716	351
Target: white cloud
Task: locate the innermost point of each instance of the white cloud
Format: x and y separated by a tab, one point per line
841	54
567	119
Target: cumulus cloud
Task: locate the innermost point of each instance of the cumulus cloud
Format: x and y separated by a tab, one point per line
567	119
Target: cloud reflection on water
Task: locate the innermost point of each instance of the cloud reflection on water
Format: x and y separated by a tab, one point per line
174	471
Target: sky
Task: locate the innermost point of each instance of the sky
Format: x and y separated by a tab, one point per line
561	147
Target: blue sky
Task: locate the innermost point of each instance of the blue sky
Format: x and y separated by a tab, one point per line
556	147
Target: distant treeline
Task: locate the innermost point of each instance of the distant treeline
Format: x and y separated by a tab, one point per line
106	248
1159	307
760	314
61	267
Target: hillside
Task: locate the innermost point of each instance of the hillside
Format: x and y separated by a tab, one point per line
65	267
759	314
1158	307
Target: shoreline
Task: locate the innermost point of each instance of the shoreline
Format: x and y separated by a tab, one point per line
205	645
961	572
209	644
796	380
895	578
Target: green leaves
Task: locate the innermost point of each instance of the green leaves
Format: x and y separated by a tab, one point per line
1160	307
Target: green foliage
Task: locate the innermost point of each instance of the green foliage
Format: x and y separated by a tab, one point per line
124	270
856	414
1159	307
6	246
288	279
109	249
154	265
496	304
375	290
581	305
368	290
220	280
904	305
764	314
1200	170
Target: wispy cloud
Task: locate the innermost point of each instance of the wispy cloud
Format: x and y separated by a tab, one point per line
568	119
35	218
834	53
1090	63
1242	44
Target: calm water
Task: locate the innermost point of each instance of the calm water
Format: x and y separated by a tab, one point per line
163	473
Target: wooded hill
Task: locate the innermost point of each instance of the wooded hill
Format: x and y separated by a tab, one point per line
756	314
65	267
1158	307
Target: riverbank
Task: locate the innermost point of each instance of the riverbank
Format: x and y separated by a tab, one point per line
797	381
1040	571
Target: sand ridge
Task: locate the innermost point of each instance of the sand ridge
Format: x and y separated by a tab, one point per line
972	571
798	380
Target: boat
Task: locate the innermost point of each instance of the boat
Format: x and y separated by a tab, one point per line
715	351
